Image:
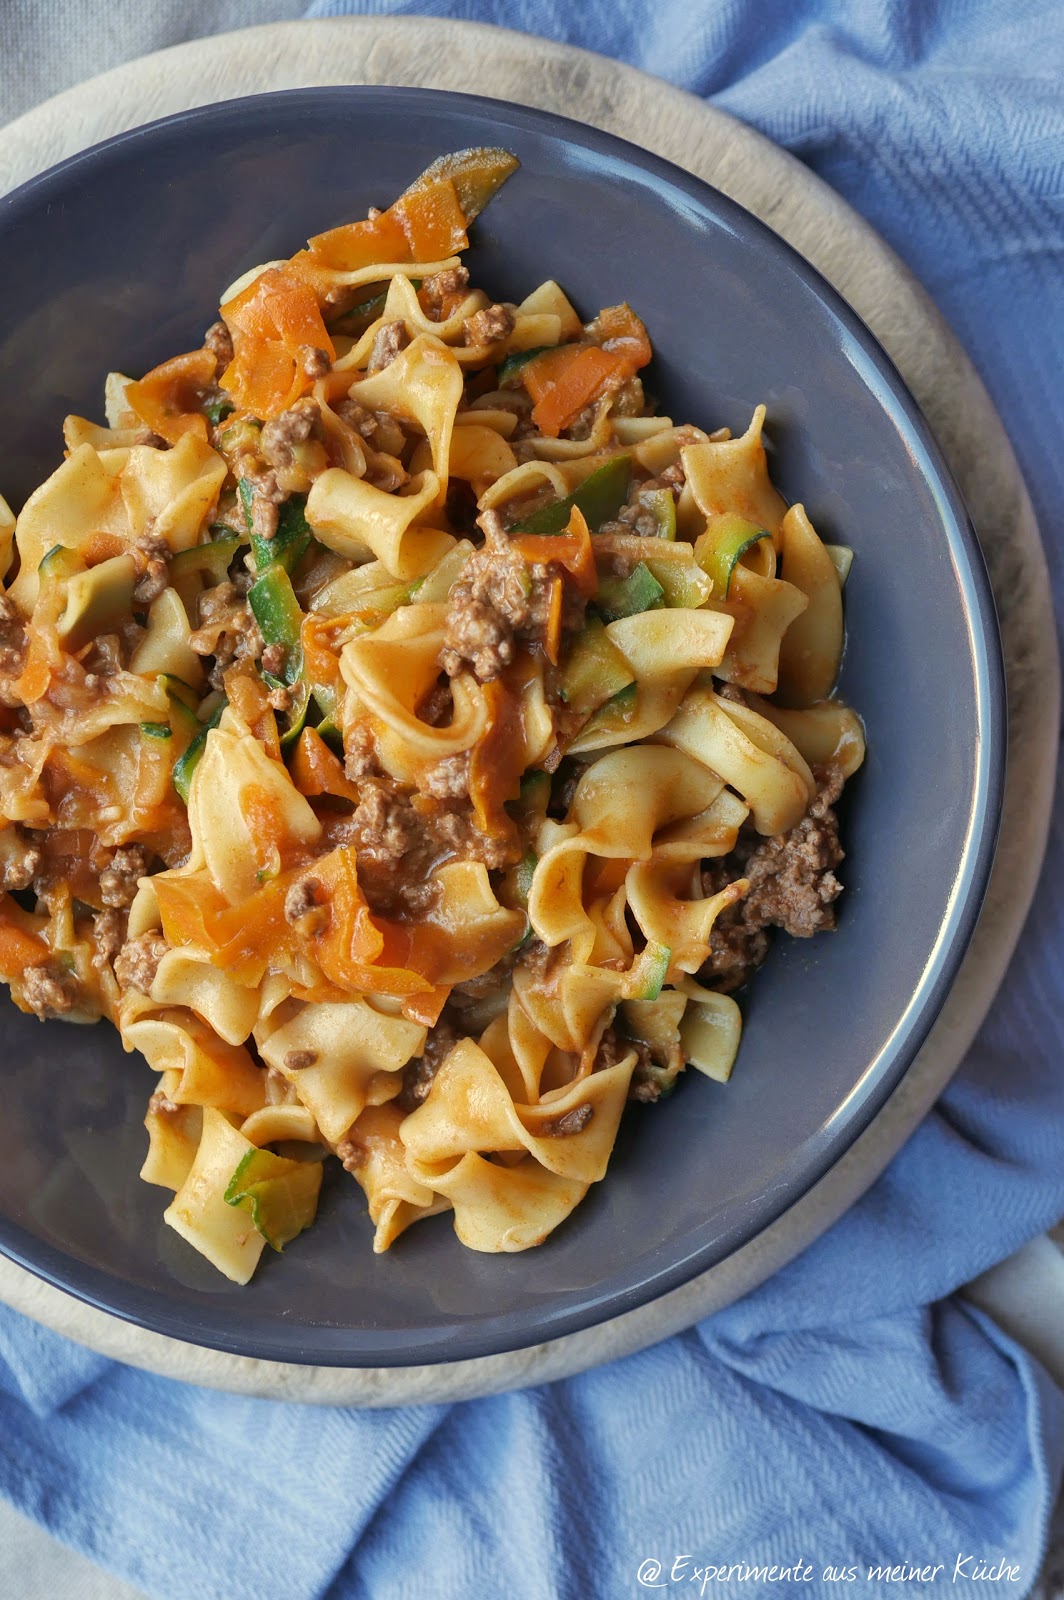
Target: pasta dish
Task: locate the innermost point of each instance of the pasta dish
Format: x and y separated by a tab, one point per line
409	738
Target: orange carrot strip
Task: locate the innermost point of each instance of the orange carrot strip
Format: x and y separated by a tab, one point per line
571	549
398	983
18	951
167	399
315	770
426	1008
349	947
247	696
432	220
272	321
43	656
563	381
604	875
445	956
321	641
355	245
622	333
320	993
69	772
20	946
242	939
266	823
185	904
362	953
352	933
102	546
497	760
36	675
552	642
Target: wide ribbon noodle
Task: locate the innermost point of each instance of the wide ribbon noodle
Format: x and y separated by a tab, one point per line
407	738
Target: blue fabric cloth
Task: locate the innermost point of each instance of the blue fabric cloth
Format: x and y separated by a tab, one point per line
853	1411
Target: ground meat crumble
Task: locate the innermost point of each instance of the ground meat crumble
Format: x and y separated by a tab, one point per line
394	850
569	1122
108	934
441	286
500	601
457	834
12	638
385	821
653	1074
360	753
401	836
274	658
305	908
635	516
50	990
315	362
390	338
379	429
300	1060
352	1153
792	886
293	427
419	1073
138	961
227	630
219	341
447	779
20	862
489	326
152	556
118	882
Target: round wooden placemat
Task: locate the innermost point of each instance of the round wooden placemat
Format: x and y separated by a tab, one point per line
777	188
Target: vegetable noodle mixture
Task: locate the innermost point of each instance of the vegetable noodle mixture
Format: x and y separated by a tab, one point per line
409	738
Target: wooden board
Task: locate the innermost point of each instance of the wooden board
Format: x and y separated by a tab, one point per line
777	188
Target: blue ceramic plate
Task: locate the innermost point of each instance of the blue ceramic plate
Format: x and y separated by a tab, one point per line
116	259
